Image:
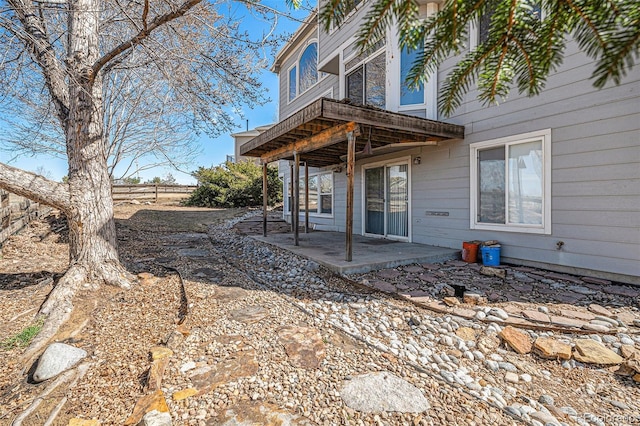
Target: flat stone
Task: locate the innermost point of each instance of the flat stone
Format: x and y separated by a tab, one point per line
628	318
158	352
473	298
596	327
521	288
566	322
582	290
629	351
83	422
377	392
388	274
569	298
581	315
602	323
563	277
153	401
156	418
225	294
493	272
249	314
600	310
591	352
544	418
466	333
156	373
620	290
428	278
593	280
303	345
58	357
184	394
243	364
550	348
412	269
383	286
451	301
464	313
536	316
516	340
258	413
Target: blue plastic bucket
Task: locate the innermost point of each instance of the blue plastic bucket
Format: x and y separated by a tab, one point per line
490	256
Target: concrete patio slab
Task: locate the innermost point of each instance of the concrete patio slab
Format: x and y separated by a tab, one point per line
369	254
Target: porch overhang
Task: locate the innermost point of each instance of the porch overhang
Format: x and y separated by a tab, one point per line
317	133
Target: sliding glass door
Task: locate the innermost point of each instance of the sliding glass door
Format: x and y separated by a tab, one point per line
386	190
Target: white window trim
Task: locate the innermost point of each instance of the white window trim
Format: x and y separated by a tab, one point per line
297	67
545	228
372	56
387	163
289	100
287	209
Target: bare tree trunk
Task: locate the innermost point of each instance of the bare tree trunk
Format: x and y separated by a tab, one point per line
92	234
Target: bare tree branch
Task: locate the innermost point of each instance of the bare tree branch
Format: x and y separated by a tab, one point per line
144	33
34	187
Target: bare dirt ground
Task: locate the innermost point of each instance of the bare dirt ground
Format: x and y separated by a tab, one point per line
269	338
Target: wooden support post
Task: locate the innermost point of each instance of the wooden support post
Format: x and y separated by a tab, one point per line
351	159
296	204
306	198
156	193
291	192
265	199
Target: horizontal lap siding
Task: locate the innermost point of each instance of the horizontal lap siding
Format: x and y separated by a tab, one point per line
595	172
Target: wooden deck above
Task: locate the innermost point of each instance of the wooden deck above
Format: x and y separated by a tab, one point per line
318	133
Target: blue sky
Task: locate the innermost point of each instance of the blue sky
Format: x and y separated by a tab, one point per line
214	150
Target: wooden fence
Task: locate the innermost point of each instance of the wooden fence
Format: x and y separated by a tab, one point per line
151	192
16	212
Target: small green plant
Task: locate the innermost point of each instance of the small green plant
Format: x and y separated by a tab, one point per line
23	338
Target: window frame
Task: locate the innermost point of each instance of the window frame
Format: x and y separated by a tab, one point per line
320	76
382	51
287	196
541	135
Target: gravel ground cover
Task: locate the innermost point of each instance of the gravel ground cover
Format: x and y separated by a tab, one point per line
272	338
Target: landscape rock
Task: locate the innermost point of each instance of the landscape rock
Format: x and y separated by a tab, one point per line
516	340
591	352
243	364
600	310
158	352
451	301
377	392
303	346
550	348
249	314
58	357
152	402
156	418
493	272
535	315
184	394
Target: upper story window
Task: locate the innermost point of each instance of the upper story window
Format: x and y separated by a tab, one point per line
365	82
304	73
409	95
510	183
484	24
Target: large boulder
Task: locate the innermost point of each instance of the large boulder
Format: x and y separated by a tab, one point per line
57	358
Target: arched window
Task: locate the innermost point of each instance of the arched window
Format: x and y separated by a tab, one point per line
308	67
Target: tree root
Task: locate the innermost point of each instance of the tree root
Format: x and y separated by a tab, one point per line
58	307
